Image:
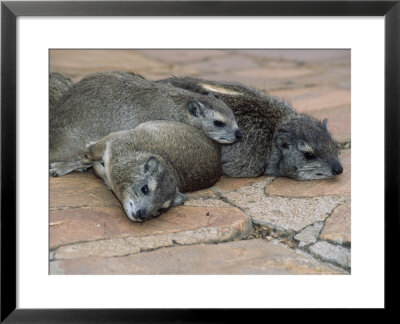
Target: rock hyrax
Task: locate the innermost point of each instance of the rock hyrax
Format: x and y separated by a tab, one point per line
112	101
149	166
277	140
58	85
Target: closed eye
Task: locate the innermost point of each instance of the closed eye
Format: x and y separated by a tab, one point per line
219	123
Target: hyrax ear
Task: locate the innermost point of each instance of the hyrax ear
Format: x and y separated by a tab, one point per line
88	152
152	165
325	123
179	199
195	108
283	140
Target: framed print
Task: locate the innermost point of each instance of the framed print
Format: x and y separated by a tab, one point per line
67	243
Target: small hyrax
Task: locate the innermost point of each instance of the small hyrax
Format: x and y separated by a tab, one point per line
112	101
149	166
277	140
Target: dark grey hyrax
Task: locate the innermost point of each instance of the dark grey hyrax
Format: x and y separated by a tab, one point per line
277	140
58	85
149	166
108	102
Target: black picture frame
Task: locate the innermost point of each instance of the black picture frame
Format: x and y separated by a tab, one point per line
9	13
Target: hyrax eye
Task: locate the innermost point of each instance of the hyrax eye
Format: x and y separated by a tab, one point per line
309	155
145	189
219	123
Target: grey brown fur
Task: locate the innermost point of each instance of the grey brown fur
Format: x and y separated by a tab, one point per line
277	140
147	167
58	85
112	101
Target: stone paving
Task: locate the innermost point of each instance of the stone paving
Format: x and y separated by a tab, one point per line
261	225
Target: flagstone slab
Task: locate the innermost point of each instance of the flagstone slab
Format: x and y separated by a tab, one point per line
80	225
288	215
225	63
335	254
131	245
319	100
340	185
309	235
207	202
336	75
338	226
238	257
299	55
180	57
204	193
78	63
80	190
226	183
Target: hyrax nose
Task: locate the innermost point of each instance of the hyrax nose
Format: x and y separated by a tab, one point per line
238	134
141	214
337	168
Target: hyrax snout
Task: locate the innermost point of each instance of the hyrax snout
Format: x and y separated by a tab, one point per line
276	140
149	167
112	101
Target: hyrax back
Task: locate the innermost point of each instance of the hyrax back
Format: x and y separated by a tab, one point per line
184	158
277	140
58	85
108	102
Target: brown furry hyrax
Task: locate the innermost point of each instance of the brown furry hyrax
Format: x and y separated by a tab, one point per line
112	101
277	140
149	166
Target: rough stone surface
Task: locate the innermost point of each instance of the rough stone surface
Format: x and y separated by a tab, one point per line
205	193
239	257
309	235
332	253
207	203
104	248
77	63
229	184
184	56
131	245
340	185
221	64
338	226
322	100
298	55
91	224
80	189
285	214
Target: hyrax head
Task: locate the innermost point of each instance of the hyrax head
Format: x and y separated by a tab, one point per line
307	149
214	118
147	187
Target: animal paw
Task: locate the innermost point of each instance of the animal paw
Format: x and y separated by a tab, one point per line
58	169
82	170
